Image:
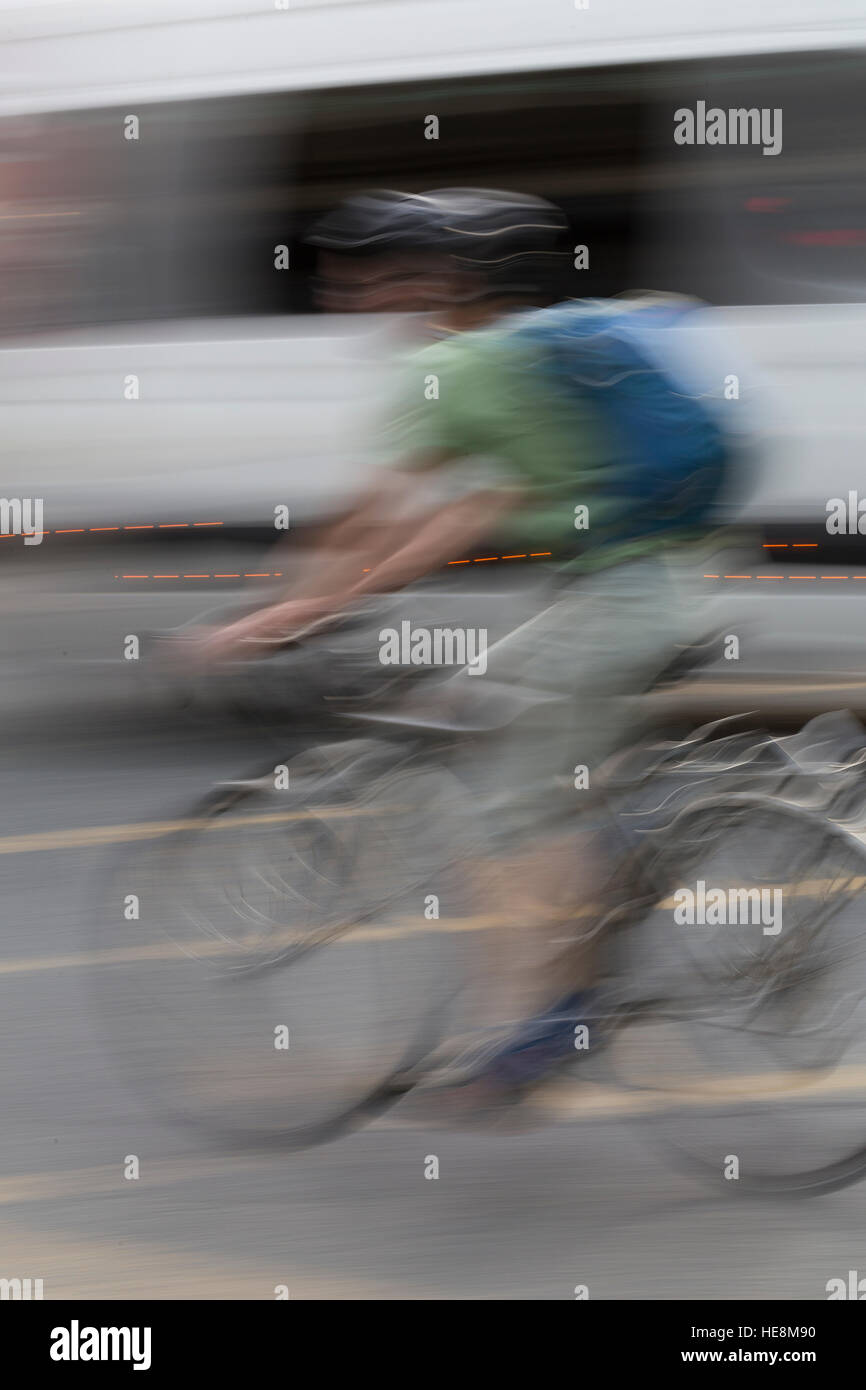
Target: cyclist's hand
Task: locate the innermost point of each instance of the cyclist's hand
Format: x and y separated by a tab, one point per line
261	632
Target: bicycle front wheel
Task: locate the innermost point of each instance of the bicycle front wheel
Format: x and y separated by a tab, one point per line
283	966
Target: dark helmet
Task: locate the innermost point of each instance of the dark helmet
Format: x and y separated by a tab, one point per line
503	235
509	238
503	243
382	220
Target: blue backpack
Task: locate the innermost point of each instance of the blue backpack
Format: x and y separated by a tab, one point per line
669	455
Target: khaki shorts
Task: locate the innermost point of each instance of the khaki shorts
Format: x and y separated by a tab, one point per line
572	670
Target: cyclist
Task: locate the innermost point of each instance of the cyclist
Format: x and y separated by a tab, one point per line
497	454
387	251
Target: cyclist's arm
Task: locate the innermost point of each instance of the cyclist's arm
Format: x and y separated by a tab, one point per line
443	537
408	526
407	549
357	541
404	532
457	449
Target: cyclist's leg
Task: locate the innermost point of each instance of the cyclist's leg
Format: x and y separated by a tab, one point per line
596	647
546	948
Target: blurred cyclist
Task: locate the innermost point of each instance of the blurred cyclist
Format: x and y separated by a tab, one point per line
419	255
499	454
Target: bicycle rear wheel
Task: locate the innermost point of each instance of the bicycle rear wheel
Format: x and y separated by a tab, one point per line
747	1060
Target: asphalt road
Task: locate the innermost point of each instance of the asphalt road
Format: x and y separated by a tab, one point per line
585	1196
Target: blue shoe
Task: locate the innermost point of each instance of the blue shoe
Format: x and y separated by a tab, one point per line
537	1047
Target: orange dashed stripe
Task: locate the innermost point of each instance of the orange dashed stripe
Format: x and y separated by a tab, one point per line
823	578
482	559
278	574
138	526
263	574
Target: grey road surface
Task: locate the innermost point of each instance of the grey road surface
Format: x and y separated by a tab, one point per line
584	1197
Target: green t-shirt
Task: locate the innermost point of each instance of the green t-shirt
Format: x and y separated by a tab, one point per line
483	395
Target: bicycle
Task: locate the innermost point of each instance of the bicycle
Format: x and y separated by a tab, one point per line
284	981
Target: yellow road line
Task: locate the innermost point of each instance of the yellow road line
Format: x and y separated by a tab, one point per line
90	835
87	836
97	1181
568	1103
399	928
93	836
806	888
562	1103
112	1267
157	951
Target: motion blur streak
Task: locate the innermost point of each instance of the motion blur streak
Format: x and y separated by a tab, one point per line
193	390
